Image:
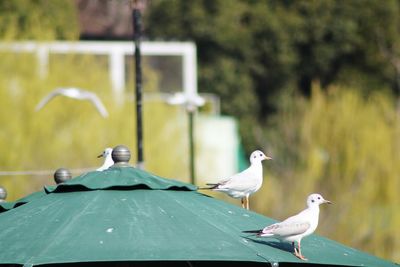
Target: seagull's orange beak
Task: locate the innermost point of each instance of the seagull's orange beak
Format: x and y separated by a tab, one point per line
100	156
267	158
327	201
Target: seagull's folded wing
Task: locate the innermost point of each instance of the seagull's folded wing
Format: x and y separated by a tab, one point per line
284	229
241	180
237	183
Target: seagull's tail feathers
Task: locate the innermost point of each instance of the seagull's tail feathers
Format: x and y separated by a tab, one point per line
254	232
258	233
210	187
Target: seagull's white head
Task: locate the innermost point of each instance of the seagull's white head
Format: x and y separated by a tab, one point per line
316	200
258	156
107	152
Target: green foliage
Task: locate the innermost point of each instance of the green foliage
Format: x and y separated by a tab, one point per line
221	40
250	52
38	20
344	145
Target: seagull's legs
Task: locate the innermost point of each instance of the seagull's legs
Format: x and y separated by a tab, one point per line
247	202
243	200
298	253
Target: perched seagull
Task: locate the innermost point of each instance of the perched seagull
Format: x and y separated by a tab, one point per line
294	228
75	93
108	161
245	183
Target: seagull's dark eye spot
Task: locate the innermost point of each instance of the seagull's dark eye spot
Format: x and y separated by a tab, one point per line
260	155
319	197
255	156
312	200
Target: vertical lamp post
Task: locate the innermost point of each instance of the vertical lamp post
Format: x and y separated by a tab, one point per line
190	103
136	19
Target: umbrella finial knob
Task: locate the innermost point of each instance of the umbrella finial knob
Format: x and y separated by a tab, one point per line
61	175
3	194
121	155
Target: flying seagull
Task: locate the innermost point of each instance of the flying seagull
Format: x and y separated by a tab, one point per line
245	183
294	228
108	161
75	93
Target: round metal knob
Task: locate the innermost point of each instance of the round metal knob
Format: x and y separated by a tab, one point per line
61	175
121	155
3	194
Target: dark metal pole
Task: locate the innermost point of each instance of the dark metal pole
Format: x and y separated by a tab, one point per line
191	147
138	71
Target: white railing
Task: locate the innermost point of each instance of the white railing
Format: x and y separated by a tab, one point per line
116	52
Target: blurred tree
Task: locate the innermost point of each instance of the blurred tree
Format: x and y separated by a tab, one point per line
222	41
337	36
250	52
321	146
38	20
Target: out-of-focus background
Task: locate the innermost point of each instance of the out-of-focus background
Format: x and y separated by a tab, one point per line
314	84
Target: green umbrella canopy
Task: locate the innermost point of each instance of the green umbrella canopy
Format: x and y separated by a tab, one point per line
125	214
4	206
61	175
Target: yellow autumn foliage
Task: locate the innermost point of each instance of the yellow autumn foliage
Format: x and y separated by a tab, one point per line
71	133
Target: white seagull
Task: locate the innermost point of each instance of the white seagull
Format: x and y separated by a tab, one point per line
245	183
294	228
108	161
75	93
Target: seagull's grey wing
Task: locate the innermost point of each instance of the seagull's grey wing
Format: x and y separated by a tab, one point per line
98	104
222	182
233	182
284	229
241	180
47	98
